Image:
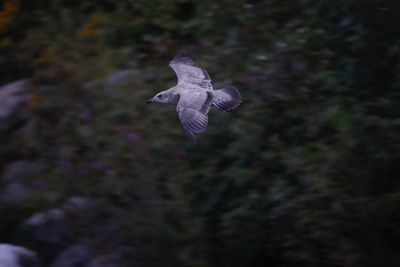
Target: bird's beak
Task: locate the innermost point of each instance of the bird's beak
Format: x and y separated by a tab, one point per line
150	100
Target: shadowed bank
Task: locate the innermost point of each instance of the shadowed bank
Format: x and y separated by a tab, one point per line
303	173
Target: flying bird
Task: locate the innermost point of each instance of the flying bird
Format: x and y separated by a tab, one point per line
194	95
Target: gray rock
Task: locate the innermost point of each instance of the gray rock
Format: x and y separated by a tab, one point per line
122	77
79	206
16	256
16	180
42	218
104	261
75	255
82	255
76	206
20	170
14	192
11	97
49	227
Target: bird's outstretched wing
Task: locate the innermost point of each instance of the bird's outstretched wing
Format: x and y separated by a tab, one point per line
192	109
187	71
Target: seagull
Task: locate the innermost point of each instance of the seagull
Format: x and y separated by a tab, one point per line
194	95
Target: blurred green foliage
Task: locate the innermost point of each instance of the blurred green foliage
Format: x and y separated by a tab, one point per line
304	173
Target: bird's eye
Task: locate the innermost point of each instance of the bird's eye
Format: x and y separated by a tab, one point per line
159	96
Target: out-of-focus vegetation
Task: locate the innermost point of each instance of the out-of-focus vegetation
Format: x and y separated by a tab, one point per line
304	173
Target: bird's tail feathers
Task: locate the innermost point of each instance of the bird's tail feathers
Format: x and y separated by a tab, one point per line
227	99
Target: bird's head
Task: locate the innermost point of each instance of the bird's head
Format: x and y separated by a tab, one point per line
161	97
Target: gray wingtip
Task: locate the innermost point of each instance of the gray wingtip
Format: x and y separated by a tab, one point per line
190	135
227	99
184	57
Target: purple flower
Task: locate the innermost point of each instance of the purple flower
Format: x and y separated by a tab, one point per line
85	114
132	137
181	153
99	166
298	67
64	163
39	185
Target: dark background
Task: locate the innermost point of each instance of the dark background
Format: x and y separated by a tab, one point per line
304	173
